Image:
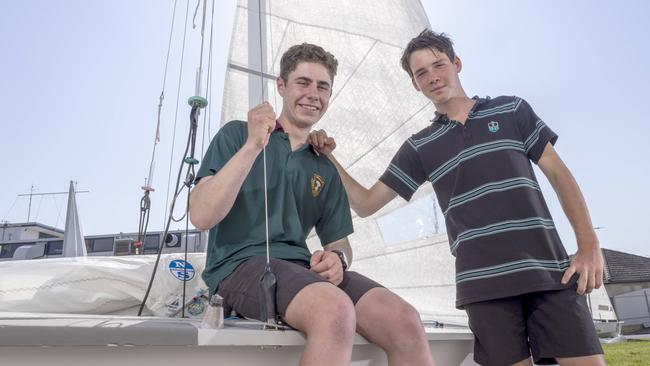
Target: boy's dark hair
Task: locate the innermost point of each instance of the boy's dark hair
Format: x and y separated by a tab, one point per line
437	42
307	52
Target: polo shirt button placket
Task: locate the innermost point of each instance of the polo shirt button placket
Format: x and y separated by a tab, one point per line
467	134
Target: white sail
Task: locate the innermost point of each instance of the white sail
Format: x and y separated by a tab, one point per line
374	108
73	239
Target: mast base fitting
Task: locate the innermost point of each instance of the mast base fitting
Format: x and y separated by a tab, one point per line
191	161
197	101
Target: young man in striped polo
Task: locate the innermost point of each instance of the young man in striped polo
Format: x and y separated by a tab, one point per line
522	293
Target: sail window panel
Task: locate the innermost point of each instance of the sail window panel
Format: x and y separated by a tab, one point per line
416	220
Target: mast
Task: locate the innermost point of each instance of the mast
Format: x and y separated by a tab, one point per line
257	53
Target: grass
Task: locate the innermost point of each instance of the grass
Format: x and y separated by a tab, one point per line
630	353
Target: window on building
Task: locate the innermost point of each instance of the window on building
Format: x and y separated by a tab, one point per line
54	248
151	243
100	245
7	250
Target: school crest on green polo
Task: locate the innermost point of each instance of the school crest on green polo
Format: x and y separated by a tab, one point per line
317	183
493	126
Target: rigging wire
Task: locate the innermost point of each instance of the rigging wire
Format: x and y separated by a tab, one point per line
145	202
9	210
148	182
208	88
38	210
58	216
197	102
178	94
189	179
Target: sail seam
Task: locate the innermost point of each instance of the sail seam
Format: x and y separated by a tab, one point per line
329	28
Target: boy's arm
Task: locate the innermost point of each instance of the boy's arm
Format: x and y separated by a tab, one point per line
588	261
364	202
213	197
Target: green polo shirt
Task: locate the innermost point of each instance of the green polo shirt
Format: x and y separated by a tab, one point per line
304	191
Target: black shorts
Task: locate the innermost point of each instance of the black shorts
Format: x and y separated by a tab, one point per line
547	324
241	289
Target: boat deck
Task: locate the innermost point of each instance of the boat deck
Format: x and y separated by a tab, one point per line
64	339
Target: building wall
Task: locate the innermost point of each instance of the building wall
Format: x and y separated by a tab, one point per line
614	289
17	233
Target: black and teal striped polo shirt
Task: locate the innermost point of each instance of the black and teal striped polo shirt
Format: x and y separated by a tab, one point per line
499	227
304	192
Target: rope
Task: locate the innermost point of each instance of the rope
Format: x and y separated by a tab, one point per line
189	174
266	197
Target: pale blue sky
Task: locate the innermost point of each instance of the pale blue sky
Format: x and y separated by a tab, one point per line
80	80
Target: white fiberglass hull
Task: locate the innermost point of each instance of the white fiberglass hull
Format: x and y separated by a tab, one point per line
55	339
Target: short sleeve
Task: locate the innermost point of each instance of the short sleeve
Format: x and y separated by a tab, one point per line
405	172
336	221
224	145
535	134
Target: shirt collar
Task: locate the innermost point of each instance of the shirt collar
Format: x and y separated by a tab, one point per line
442	118
278	128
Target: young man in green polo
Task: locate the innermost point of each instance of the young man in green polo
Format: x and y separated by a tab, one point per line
513	276
315	293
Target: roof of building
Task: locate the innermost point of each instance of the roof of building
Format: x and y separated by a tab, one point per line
30	224
623	267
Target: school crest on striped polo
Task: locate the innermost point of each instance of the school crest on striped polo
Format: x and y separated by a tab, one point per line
499	227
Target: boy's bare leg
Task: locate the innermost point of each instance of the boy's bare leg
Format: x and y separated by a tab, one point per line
326	315
394	325
526	362
593	360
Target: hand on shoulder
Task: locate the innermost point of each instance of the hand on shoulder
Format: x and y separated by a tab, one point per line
322	143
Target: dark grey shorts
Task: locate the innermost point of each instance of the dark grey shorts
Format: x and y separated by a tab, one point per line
241	290
547	324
